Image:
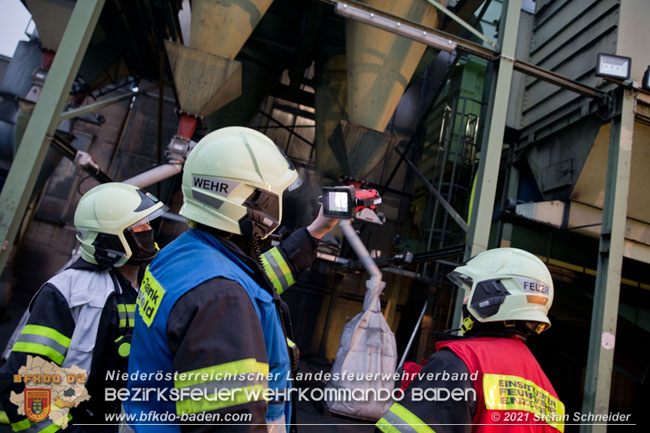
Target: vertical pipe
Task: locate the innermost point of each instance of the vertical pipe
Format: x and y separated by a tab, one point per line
488	169
600	358
34	144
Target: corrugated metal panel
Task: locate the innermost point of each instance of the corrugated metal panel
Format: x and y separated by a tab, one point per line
567	35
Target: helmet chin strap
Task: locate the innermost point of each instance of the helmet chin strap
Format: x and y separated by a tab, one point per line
257	250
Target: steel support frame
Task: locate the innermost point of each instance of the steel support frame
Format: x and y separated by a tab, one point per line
488	169
488	53
21	179
76	112
604	317
461	22
441	199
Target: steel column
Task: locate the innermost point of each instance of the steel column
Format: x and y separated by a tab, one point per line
488	169
610	262
17	190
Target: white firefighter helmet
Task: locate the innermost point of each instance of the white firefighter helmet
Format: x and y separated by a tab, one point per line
506	285
107	220
233	180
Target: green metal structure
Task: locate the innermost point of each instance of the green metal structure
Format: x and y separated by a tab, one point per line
34	144
602	339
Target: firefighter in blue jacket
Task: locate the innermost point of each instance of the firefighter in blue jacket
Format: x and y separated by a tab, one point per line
211	330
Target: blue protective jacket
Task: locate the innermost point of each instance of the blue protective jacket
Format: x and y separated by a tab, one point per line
191	260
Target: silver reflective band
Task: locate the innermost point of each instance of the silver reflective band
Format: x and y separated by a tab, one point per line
275	268
42	340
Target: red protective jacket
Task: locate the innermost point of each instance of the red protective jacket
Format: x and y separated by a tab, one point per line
513	393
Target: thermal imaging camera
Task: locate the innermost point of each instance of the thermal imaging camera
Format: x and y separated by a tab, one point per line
345	202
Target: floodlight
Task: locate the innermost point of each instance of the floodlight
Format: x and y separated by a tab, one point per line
613	66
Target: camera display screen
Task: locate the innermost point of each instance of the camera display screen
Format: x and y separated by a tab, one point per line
337	201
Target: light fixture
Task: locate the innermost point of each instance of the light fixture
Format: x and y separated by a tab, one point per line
646	79
394	26
613	66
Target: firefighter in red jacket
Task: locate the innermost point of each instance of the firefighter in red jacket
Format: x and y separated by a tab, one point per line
487	380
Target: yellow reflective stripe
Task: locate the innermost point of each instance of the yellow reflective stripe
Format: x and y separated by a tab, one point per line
223	385
51	428
126	308
21	425
409	421
241	395
38	349
386	427
503	392
283	265
244	366
4	419
277	270
269	273
46	426
290	343
47	332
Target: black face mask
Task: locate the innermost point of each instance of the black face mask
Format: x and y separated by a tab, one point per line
143	248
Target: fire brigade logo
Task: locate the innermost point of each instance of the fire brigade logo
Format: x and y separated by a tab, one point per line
37	404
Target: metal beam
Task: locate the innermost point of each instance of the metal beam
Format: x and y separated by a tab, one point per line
445	204
24	170
602	337
558	80
461	44
100	104
488	169
461	22
486	53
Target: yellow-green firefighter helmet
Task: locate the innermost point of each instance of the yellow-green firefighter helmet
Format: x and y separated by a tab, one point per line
505	285
105	218
234	179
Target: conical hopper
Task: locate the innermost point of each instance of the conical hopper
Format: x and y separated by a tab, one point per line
359	150
51	18
380	64
331	106
222	27
204	82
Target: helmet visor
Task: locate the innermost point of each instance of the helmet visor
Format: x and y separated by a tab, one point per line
298	182
461	280
139	226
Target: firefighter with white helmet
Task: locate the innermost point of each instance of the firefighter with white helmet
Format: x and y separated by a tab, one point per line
508	295
208	309
84	315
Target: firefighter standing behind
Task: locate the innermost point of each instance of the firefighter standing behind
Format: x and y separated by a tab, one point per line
84	315
209	305
510	293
